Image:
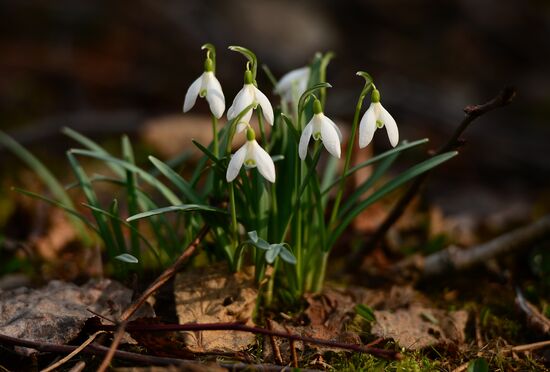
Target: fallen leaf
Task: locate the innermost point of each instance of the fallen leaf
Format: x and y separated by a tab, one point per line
418	327
214	295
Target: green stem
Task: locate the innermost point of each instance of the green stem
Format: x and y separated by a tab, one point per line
271	284
215	133
234	226
338	200
320	279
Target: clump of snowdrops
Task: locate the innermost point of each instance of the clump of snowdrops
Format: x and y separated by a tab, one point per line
281	200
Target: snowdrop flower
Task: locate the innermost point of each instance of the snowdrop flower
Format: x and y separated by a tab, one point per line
251	155
207	85
321	128
375	117
248	95
293	84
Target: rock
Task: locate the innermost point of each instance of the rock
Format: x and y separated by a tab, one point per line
57	312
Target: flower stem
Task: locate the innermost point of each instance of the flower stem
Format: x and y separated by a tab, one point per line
320	279
215	135
234	226
338	200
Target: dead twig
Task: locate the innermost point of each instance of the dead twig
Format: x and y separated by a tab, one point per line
240	327
454	258
535	318
159	282
503	98
274	345
149	360
293	353
529	347
73	353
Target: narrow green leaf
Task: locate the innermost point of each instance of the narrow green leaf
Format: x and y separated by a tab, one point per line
365	312
379	171
55	187
131	193
126	257
57	204
166	192
177	180
129	226
387	188
92	146
403	146
177	208
92	200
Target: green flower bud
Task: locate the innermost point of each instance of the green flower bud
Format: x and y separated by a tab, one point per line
208	65
250	135
248	77
375	97
317	107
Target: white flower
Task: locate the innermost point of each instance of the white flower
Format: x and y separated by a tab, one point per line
207	85
251	155
293	84
249	95
320	127
375	117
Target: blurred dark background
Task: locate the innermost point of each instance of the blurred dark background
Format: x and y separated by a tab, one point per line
106	67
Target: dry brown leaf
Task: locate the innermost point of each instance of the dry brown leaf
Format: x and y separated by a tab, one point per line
213	295
417	327
57	312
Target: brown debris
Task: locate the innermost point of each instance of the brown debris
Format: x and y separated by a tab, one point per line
213	295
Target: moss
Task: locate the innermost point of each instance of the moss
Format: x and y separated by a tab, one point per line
413	362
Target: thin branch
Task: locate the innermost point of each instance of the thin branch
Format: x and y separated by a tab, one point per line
94	349
529	347
77	350
535	319
159	282
454	258
274	346
381	353
504	98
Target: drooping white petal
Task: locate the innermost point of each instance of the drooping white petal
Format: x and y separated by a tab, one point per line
242	100
214	95
236	163
367	126
192	94
265	104
284	85
335	128
304	140
330	138
263	161
242	125
391	126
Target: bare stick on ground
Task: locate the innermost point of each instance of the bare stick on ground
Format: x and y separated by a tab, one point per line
240	327
454	258
159	282
504	98
94	349
535	319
